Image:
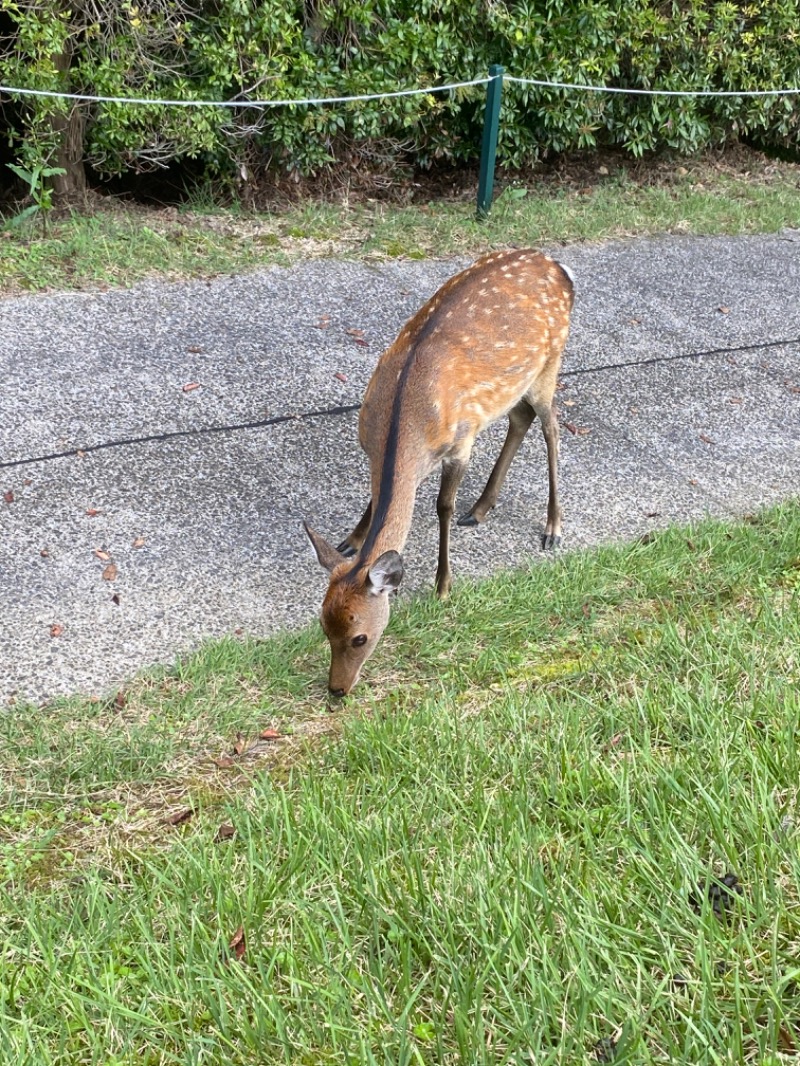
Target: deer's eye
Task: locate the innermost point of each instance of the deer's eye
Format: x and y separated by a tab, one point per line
359	640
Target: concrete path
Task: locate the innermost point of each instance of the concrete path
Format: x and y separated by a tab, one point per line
681	380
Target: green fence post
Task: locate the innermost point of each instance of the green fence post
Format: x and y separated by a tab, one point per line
491	125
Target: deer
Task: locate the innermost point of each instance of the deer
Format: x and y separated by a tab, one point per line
488	343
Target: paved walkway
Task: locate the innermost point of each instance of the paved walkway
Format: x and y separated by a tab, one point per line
681	379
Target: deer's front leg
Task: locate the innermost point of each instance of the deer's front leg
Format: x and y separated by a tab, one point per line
353	542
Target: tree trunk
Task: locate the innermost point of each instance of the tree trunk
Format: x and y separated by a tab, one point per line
69	188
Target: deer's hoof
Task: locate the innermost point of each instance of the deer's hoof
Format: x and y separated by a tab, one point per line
468	520
346	549
550	541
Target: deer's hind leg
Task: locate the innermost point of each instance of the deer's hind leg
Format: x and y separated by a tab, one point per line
546	410
519	421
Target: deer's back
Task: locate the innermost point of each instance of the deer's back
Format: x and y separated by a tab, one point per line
491	335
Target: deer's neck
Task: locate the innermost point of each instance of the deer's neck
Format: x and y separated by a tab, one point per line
391	518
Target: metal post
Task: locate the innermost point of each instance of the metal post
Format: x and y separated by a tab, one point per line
491	125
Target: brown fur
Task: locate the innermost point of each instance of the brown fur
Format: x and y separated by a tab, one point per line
488	343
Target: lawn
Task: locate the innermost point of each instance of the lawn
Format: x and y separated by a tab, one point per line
507	846
119	243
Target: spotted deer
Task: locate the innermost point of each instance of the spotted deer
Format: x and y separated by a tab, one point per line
487	344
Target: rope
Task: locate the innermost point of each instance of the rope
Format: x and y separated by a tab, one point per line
86	97
321	100
650	92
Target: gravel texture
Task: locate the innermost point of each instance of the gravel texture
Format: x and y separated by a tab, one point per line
683	364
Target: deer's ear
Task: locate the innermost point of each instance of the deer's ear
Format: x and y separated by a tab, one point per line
386	573
327	555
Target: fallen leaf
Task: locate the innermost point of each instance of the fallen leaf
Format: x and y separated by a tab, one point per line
225	832
8	496
269	734
692	480
583	431
560	385
647	538
354	332
80	454
192	385
636	321
56	630
571	427
323	323
101	553
586	609
786	1039
115	599
92	512
44	553
735	399
195	349
362	343
570	403
238	944
110	572
139	542
653	514
705	439
180	817
792	388
613	742
240	747
27	481
339	376
691	545
724	310
120	700
224	762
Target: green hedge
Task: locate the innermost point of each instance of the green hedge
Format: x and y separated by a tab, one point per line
287	49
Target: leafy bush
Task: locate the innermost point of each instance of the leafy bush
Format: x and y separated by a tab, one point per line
287	49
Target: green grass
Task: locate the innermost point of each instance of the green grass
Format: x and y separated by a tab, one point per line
489	858
119	245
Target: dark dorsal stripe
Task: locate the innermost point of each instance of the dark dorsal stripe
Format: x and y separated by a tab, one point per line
380	507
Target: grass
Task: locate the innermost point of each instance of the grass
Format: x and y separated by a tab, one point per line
119	245
492	856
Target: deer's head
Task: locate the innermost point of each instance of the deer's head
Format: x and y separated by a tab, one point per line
355	610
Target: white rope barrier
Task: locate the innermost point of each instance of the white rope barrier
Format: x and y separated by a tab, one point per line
321	100
650	92
87	98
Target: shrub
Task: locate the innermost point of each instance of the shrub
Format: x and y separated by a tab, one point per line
280	49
